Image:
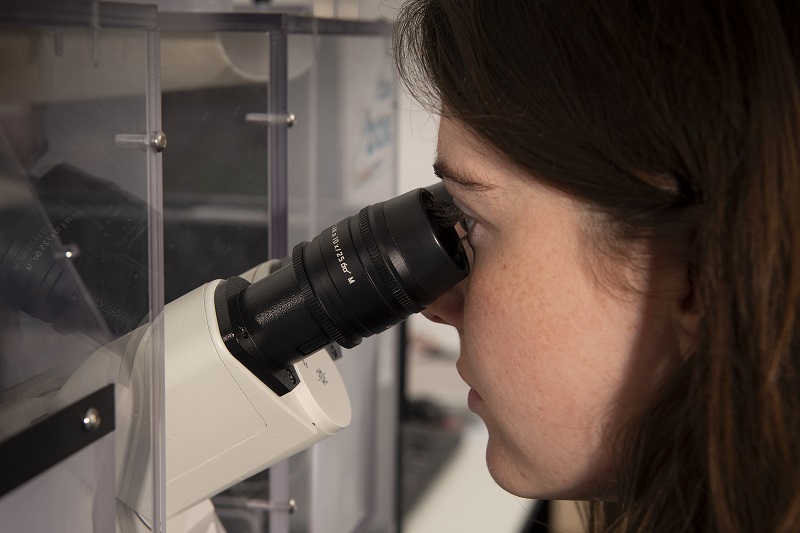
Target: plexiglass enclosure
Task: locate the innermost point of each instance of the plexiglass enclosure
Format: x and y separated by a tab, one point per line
143	153
80	255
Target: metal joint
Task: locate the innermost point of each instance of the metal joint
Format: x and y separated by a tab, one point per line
289	507
157	141
290	119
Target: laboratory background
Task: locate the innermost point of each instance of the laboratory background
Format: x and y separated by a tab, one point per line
162	162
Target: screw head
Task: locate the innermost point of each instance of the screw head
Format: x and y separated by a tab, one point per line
91	419
291	119
159	141
69	251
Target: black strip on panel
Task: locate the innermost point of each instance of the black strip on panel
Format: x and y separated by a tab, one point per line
48	442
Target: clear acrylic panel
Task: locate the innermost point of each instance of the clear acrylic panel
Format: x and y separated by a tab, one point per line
227	98
79	219
215	109
216	205
342	158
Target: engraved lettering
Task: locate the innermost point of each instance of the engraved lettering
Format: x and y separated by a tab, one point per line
339	254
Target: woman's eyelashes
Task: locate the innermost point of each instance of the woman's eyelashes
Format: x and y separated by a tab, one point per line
449	214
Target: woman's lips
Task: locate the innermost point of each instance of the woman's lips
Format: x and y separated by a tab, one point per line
473	399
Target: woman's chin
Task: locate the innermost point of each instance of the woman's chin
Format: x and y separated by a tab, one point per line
506	471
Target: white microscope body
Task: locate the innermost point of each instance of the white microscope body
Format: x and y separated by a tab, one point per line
222	423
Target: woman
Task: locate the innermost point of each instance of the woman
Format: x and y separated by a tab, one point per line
628	176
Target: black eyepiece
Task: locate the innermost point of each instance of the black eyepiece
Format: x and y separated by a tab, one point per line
357	278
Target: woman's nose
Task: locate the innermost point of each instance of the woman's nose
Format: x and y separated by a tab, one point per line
447	308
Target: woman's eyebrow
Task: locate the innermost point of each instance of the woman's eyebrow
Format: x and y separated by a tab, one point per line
460	176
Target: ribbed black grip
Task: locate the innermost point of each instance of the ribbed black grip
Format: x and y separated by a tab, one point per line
312	302
380	264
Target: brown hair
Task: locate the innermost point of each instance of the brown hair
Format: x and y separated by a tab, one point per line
645	110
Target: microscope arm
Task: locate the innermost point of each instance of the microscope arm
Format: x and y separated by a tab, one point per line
222	423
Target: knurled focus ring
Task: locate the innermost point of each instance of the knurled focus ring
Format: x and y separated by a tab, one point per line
312	303
380	264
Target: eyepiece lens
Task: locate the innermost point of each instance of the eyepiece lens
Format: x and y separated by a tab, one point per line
355	279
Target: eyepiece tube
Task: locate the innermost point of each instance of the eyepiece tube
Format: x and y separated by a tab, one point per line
357	278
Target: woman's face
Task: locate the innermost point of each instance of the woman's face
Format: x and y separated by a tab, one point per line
557	357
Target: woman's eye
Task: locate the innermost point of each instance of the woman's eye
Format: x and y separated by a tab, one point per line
467	223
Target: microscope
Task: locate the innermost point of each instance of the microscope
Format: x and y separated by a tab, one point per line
250	361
